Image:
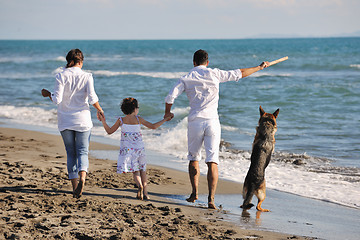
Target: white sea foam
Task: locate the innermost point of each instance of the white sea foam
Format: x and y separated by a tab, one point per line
180	111
229	128
173	140
311	180
295	179
16	59
106	73
271	74
5	60
355	65
96	58
60	59
29	115
166	75
316	178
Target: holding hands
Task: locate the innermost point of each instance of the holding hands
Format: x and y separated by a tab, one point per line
100	115
168	116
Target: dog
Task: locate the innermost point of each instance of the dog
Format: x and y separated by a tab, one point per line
263	147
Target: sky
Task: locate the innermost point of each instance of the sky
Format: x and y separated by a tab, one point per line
177	19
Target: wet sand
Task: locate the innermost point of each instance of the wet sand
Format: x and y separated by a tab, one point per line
36	200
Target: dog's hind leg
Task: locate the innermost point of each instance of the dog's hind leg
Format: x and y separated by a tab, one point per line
261	195
247	195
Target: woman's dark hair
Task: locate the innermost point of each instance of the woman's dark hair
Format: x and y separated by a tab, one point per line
129	105
73	57
200	57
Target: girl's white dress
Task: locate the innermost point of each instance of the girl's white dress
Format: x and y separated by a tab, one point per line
132	151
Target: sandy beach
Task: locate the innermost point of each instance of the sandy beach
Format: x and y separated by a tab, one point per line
36	200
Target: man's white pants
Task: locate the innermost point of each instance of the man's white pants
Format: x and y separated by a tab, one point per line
207	131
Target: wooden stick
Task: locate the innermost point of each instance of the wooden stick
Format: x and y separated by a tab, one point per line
277	61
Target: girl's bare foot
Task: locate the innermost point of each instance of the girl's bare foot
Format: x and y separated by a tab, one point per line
79	189
139	194
193	197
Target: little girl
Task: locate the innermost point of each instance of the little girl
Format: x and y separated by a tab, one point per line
132	152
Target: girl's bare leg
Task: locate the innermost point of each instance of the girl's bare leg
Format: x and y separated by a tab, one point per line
137	179
144	184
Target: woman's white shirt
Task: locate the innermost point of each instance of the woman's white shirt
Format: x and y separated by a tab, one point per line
73	92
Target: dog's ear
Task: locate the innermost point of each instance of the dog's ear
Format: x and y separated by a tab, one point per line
262	112
276	113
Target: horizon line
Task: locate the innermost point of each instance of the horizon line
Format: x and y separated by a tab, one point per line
170	39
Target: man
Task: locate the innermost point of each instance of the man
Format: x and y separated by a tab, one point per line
201	85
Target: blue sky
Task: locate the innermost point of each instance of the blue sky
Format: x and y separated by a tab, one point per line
177	19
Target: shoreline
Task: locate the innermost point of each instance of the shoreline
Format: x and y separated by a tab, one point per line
36	199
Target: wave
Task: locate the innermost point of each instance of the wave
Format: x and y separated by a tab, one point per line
355	66
326	67
166	75
96	58
29	115
229	128
106	73
299	174
23	75
175	75
60	59
267	74
27	59
16	59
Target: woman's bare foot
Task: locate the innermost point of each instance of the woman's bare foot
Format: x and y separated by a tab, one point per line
139	194
74	183
146	197
79	189
193	197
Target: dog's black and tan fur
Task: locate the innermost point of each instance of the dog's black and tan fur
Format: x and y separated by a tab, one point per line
263	147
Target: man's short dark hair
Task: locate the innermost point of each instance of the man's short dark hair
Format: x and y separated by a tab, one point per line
200	57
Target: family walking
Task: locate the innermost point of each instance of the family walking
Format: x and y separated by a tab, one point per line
74	92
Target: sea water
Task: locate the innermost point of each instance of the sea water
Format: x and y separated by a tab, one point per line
317	148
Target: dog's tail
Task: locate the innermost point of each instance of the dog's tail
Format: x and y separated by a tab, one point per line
248	193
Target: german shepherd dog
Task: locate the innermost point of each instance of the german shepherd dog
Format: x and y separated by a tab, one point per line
263	147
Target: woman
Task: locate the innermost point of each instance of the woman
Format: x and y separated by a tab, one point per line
74	90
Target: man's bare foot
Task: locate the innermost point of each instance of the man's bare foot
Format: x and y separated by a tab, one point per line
139	194
79	189
193	197
211	205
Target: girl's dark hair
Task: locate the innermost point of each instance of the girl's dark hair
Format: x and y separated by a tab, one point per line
73	57
129	105
200	57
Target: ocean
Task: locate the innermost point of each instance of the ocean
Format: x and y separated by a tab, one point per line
317	152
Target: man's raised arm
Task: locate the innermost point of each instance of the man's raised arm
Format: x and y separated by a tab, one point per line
248	71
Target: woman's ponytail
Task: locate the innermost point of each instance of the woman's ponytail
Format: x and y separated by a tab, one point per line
74	57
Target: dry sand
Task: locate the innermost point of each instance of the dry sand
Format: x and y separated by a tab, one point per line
36	200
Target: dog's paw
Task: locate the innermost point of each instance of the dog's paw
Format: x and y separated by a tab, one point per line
248	206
